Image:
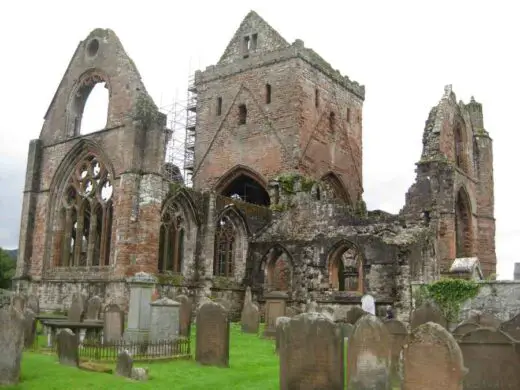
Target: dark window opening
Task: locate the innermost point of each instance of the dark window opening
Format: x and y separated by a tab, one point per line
219	106
426	216
254	42
332	121
268	93
316	97
248	190
348	115
225	237
242	114
247	46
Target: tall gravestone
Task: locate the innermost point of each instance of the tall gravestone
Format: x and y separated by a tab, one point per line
250	318
354	314
33	303
492	358
368	304
77	308
94	306
311	353
398	333
29	325
67	347
427	312
164	323
18	302
11	345
212	341
114	322
369	355
139	313
279	328
124	364
185	315
432	360
275	306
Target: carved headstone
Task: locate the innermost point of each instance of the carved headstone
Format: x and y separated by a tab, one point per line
492	359
29	325
398	334
212	341
369	355
67	348
94	308
250	318
275	304
113	323
18	302
427	312
512	327
368	304
354	314
185	313
124	364
311	353
33	303
462	329
77	308
279	322
164	323
432	360
11	345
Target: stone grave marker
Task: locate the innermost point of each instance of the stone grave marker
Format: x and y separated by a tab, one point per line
427	312
432	360
279	322
142	286
512	327
398	334
139	374
464	328
94	306
224	302
33	303
29	326
164	323
275	305
484	320
77	308
124	364
250	318
11	345
18	302
492	359
368	304
369	355
354	314
185	314
347	329
311	353
212	341
67	348
113	323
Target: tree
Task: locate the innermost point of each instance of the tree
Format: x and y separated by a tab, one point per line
7	269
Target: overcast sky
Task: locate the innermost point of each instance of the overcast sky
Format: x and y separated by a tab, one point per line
404	52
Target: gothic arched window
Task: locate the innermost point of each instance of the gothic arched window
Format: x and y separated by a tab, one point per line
346	269
225	242
171	241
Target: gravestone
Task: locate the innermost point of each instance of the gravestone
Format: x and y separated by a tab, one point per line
18	302
484	320
462	329
67	348
398	334
250	318
346	329
275	305
33	303
354	314
94	308
311	353
212	341
224	302
369	355
279	322
185	313
427	312
11	345
432	360
164	323
114	323
124	364
139	374
77	308
512	327
139	312
29	326
368	304
492	359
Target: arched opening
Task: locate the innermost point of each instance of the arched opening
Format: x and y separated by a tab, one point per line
461	154
225	247
171	240
333	188
245	185
346	269
95	111
278	270
463	225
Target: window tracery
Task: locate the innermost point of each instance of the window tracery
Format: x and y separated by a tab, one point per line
225	246
171	241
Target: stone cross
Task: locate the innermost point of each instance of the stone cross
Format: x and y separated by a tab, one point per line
212	341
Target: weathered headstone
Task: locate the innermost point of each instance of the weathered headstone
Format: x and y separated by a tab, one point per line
432	360
77	308
11	345
311	353
279	322
113	323
224	302
275	304
94	308
139	313
398	334
164	323
354	314
33	303
29	326
250	318
347	329
512	327
124	364
484	320
427	312
492	359
462	329
212	341
18	302
369	355
185	313
67	348
368	304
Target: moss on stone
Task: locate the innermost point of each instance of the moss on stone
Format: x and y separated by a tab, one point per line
171	279
146	112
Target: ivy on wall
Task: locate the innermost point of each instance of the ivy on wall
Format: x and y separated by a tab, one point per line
448	294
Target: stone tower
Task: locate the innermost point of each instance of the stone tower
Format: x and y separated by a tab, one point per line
454	188
269	108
